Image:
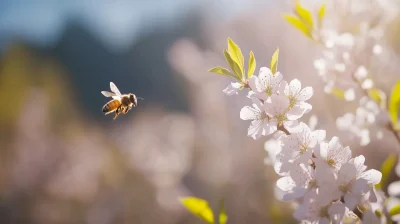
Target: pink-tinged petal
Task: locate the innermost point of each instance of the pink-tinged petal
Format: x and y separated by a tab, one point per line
265	77
324	221
232	89
283	87
336	211
346	173
285	183
249	113
296	193
394	189
268	127
305	94
295	113
370	218
291	126
306	106
278	77
254	83
321	135
350	201
277	106
295	87
255	130
324	174
323	150
372	176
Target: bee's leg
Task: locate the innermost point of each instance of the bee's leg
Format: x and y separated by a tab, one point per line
127	109
117	112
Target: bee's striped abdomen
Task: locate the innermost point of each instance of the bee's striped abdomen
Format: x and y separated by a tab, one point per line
111	106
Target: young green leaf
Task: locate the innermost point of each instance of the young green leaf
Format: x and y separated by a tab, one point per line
223	217
222	71
321	15
304	14
386	169
338	93
236	53
233	65
198	207
274	62
299	24
394	103
252	65
395	210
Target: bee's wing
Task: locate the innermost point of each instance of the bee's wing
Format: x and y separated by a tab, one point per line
107	94
114	88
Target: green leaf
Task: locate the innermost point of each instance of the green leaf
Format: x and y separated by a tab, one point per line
378	96
236	53
299	24
223	217
199	208
394	103
395	210
233	65
304	14
252	65
321	15
386	169
378	213
338	93
222	71
274	62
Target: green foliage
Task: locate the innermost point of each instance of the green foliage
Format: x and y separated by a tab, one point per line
236	54
233	65
222	71
378	96
201	209
321	15
338	93
394	104
252	65
303	19
304	15
386	170
395	210
274	61
299	24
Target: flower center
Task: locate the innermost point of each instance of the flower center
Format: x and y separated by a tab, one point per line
268	90
281	118
331	162
303	148
323	212
292	101
262	116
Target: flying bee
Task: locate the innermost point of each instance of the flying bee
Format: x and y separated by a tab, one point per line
121	103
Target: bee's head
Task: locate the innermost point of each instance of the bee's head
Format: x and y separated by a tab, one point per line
133	99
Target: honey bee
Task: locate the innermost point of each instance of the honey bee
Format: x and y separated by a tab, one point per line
121	103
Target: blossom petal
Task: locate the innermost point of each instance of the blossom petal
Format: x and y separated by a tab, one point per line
372	176
277	106
295	87
249	113
394	189
255	129
305	94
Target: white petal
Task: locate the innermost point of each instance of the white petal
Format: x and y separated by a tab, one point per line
295	87
346	173
305	94
277	106
337	210
249	113
283	88
296	193
350	201
255	129
370	218
372	176
285	183
232	89
394	189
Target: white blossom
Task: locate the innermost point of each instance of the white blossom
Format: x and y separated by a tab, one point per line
332	153
266	83
297	96
260	124
233	88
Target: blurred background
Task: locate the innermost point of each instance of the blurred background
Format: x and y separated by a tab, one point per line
63	161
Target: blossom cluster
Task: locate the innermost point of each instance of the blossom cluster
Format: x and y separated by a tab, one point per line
319	175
